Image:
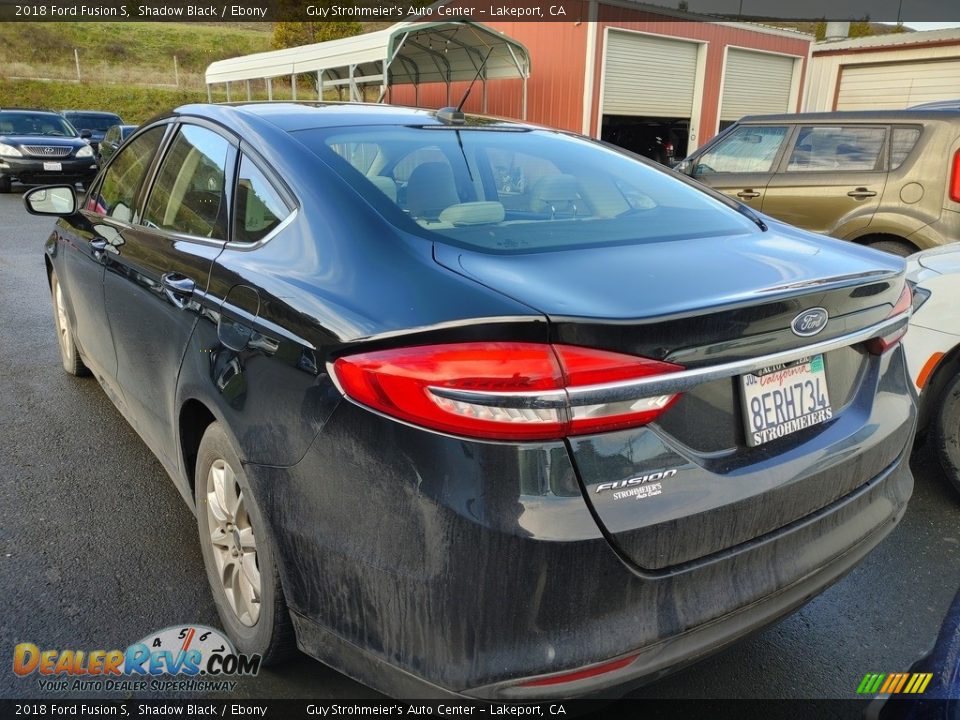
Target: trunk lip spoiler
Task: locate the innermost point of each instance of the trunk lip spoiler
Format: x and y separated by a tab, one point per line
671	383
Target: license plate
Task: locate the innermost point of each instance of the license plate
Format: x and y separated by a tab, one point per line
53	166
783	399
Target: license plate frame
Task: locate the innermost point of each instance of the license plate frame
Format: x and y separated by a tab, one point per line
49	166
784	399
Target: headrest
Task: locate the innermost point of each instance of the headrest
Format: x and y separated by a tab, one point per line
473	213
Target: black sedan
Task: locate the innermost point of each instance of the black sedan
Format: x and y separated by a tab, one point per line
41	147
452	435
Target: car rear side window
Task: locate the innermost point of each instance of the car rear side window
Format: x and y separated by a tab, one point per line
823	148
189	195
901	143
259	207
117	192
748	149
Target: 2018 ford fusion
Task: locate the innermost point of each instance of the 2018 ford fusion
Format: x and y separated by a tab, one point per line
468	406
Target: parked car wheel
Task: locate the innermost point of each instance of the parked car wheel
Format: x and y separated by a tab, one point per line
238	553
946	433
894	247
5	185
69	354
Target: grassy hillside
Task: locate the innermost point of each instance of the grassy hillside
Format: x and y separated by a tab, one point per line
124	52
133	104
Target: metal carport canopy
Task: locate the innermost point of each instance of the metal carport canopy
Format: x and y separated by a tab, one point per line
406	53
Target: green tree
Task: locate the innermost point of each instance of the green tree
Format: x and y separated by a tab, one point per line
292	34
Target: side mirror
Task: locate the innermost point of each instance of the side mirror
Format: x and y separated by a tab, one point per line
58	200
86	134
685	167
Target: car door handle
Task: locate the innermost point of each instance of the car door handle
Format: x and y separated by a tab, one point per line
748	194
177	288
98	245
861	193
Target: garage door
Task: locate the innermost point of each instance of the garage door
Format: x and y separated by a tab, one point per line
897	85
647	75
755	84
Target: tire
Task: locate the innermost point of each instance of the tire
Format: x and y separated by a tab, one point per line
69	354
894	247
5	185
236	545
946	433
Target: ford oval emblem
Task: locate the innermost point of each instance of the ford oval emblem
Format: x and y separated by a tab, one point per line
810	322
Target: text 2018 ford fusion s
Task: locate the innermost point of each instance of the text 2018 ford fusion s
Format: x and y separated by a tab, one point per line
467	406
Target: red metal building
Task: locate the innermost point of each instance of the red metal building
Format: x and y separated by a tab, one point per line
632	74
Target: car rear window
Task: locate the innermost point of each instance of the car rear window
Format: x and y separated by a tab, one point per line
518	190
84	121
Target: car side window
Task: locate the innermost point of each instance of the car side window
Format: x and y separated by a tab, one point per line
189	195
117	192
901	143
747	149
259	207
836	148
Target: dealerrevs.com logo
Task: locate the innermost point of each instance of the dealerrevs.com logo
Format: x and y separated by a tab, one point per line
199	659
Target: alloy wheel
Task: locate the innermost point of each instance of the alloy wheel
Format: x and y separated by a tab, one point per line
234	543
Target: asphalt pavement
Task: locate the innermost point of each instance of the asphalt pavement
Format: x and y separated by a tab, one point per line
97	549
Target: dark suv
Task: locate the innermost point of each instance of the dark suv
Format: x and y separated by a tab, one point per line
95	121
38	147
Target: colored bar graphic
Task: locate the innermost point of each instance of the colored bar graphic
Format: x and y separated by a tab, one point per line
894	683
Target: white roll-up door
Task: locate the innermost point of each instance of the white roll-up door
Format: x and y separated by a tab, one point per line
648	76
755	84
897	85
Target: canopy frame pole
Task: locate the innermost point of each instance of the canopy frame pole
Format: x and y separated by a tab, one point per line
320	85
293	85
249	95
228	90
269	88
523	73
209	94
353	84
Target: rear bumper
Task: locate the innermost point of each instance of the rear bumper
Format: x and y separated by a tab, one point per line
863	519
860	511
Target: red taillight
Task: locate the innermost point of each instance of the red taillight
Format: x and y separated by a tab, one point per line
880	345
955	178
504	391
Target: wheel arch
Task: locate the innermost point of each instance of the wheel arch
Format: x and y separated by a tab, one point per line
945	370
871	238
193	419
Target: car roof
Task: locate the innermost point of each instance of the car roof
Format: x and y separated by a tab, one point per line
90	112
911	115
32	111
295	115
